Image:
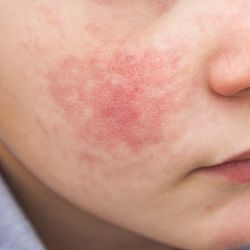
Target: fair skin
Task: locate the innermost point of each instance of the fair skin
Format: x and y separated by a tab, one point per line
108	108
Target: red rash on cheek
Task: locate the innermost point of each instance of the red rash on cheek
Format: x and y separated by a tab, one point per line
164	6
116	100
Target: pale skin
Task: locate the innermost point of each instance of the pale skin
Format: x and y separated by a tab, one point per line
107	109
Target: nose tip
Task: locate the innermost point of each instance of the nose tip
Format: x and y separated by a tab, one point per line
229	71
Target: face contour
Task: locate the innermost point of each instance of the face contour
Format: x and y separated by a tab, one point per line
115	104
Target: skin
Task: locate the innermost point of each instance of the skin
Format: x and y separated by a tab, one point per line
109	107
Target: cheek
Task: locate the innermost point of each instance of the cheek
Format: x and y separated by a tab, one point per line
117	102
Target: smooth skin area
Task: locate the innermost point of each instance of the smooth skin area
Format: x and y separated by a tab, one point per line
108	108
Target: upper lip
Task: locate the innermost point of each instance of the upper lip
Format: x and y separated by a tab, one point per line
238	157
244	155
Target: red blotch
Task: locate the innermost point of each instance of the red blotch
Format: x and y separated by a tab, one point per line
115	100
164	5
66	86
119	112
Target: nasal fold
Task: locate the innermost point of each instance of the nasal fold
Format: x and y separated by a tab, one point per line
229	68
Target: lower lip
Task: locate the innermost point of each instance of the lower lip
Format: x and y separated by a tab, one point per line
235	171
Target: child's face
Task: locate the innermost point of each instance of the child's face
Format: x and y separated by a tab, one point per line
115	103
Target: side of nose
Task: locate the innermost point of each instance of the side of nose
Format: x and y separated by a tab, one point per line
229	63
229	72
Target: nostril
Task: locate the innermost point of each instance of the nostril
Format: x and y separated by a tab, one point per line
243	92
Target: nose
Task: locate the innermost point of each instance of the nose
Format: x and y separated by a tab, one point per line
229	63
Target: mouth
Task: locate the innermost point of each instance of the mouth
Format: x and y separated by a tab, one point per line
235	169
